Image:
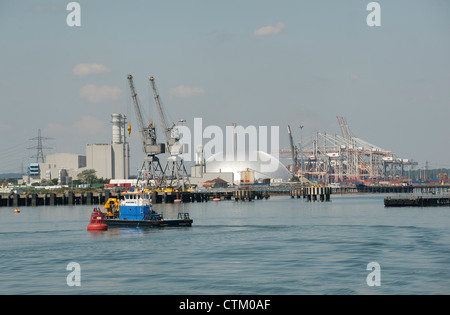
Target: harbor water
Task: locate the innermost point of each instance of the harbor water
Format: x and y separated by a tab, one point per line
279	246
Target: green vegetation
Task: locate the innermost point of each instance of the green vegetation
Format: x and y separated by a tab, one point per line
46	182
89	177
86	181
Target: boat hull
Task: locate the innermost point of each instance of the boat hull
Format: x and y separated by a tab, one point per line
148	223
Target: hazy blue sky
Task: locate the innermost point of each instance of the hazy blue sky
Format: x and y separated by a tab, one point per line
253	62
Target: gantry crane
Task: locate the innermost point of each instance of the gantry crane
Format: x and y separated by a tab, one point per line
175	174
151	171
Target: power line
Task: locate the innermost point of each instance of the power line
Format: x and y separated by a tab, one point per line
39	147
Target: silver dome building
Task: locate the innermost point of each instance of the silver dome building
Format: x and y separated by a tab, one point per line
264	165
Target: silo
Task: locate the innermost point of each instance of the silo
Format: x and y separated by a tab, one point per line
119	148
118	128
116	120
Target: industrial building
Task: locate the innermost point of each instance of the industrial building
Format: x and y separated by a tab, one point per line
111	160
60	165
199	175
108	160
199	178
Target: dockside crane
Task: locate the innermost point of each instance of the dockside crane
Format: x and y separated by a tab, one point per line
175	174
293	152
151	171
345	130
169	133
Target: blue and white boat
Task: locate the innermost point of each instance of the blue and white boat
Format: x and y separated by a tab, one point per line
135	210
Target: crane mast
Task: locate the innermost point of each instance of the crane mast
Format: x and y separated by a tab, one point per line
151	170
293	151
169	132
175	173
148	134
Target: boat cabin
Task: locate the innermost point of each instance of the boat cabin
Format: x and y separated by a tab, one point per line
135	206
138	198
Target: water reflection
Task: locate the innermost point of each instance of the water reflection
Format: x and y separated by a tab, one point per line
114	232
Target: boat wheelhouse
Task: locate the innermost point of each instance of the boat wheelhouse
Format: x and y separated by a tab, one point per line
135	205
135	210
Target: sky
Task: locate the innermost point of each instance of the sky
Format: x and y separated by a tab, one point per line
250	62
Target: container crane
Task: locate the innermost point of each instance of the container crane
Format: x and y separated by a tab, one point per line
293	152
174	172
151	171
345	130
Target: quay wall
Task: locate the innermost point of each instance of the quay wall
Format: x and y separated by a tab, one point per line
99	198
321	193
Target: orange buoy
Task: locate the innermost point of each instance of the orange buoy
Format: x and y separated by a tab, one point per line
16	210
97	222
216	199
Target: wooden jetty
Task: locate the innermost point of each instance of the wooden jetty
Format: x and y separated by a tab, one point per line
54	199
384	189
97	198
417	201
70	197
321	193
245	194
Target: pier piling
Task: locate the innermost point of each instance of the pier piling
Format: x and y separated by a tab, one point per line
315	193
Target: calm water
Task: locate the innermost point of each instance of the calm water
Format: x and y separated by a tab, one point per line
275	246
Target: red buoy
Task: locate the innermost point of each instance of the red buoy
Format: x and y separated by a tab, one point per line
97	222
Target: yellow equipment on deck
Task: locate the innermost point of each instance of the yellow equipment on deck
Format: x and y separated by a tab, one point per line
112	207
